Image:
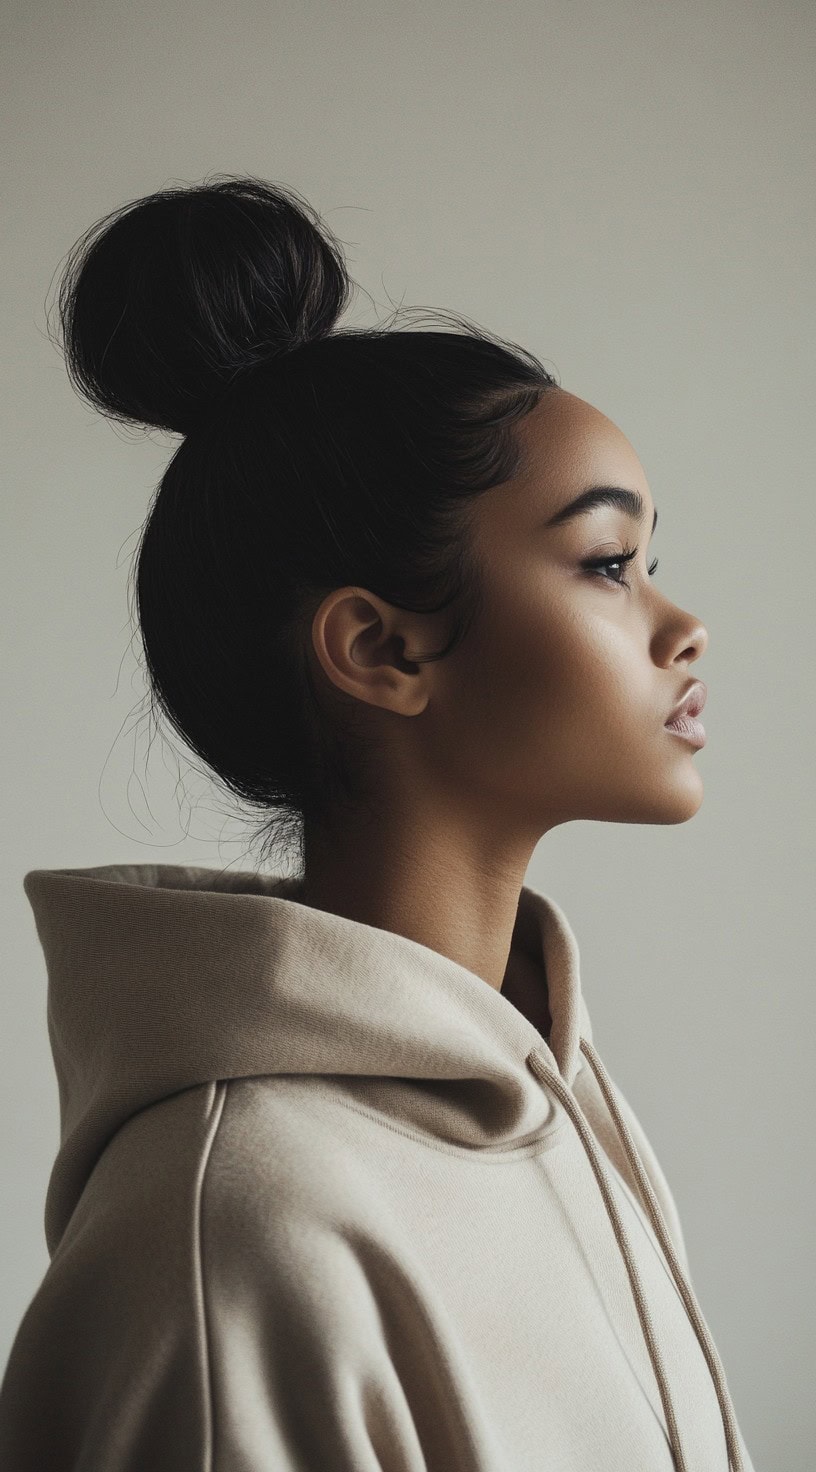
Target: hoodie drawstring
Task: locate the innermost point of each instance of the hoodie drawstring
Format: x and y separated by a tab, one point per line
554	1081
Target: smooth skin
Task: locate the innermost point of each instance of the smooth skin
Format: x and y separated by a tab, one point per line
551	709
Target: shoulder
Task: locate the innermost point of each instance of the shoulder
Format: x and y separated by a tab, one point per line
290	1257
288	1176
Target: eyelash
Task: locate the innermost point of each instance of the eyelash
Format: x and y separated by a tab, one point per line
621	557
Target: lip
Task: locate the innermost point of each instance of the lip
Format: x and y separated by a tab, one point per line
689	728
691	704
683	720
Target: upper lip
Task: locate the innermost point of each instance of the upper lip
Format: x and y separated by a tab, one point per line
691	703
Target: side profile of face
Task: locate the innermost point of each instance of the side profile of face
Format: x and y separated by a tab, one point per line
554	706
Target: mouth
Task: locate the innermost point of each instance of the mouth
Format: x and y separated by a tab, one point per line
688	728
683	721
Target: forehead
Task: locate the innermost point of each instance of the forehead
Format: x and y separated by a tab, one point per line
570	444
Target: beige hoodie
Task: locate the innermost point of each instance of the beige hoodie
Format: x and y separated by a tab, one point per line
326	1201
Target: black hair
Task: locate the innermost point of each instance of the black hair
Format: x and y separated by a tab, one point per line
313	457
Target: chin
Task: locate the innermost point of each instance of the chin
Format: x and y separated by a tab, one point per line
670	802
680	805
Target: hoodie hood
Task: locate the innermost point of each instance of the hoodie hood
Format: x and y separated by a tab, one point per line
165	977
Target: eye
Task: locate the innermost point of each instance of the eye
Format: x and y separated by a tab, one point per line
597	565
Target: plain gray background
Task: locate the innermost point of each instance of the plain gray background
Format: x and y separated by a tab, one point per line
628	190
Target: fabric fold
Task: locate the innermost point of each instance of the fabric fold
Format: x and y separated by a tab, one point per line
321	1199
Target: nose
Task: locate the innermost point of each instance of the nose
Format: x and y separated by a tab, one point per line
680	638
697	642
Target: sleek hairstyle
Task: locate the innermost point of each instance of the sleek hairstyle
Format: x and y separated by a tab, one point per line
312	457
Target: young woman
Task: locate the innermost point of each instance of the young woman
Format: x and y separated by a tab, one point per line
343	1183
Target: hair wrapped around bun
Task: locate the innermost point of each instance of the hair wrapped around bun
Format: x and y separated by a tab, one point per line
359	464
167	300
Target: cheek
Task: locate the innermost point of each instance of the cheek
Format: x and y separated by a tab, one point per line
554	659
533	669
568	679
545	667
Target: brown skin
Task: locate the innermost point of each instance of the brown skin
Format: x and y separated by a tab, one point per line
551	709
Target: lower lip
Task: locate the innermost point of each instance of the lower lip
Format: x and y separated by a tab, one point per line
689	728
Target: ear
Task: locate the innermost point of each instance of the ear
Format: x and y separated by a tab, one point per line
359	641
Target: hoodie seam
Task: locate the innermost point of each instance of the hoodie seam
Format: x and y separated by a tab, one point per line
551	1136
215	1112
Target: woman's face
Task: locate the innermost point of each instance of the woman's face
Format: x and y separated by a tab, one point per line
554	706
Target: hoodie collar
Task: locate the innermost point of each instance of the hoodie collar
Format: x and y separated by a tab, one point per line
164	977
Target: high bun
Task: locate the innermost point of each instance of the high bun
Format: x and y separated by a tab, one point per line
355	460
169	299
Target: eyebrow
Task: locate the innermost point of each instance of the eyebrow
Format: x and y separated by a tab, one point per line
628	501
